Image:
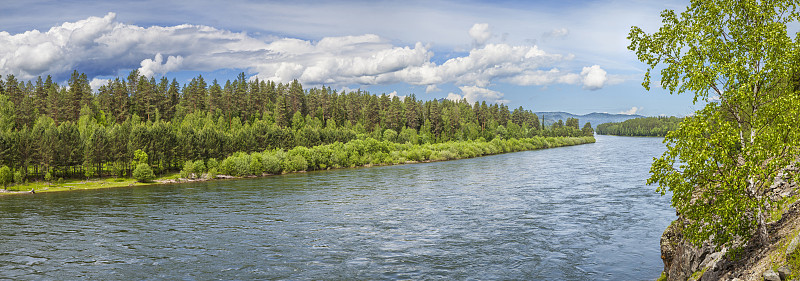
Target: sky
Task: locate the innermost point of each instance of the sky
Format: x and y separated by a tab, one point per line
566	55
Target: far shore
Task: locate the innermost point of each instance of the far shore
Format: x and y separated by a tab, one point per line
171	178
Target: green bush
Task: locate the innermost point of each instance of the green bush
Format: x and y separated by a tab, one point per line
256	165
19	178
226	166
198	167
188	170
212	173
271	164
241	166
143	173
295	163
390	135
212	164
5	176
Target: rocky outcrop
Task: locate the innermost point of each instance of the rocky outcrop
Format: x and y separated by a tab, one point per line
684	261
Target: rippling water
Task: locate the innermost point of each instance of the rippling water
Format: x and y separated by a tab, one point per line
572	213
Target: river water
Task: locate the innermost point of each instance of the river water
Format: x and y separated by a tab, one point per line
571	213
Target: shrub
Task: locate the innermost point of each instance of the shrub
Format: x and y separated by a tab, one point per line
241	166
188	169
212	173
143	173
227	166
256	165
390	135
271	164
48	177
212	164
19	178
295	163
198	167
5	176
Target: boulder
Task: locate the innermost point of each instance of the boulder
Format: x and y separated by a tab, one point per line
771	275
784	272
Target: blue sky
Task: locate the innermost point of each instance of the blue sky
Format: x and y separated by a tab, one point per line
541	55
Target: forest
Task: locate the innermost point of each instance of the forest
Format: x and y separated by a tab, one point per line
641	127
52	131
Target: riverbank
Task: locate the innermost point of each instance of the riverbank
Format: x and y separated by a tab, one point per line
406	154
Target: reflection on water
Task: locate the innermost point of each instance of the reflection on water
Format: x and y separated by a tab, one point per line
571	213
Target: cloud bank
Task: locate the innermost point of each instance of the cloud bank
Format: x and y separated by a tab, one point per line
102	46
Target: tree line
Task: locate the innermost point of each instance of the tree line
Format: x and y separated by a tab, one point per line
641	127
72	131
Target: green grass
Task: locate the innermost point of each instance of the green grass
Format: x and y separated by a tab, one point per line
83	184
776	213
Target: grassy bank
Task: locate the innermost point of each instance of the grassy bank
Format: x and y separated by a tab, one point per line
80	184
357	153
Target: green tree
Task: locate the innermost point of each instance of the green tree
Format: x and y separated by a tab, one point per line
19	177
738	56
572	122
6	176
587	129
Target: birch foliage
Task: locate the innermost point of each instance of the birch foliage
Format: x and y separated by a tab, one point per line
739	59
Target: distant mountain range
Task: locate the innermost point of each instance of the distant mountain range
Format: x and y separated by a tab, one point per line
594	118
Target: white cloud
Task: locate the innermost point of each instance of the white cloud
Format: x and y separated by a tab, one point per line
102	46
454	97
631	111
542	78
394	94
475	93
480	33
97	82
556	33
594	77
154	66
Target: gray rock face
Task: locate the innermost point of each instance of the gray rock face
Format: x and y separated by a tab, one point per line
681	258
784	272
771	275
792	246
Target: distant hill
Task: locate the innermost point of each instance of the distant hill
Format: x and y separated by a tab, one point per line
594	117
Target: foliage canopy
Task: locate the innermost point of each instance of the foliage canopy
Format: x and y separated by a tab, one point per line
739	58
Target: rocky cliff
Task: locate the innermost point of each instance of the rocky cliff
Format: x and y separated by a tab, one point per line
773	260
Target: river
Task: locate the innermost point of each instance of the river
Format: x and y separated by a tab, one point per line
571	213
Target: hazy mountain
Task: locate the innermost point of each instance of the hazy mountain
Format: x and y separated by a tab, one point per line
594	117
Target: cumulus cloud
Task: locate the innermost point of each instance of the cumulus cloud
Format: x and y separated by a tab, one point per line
431	88
102	46
475	93
594	77
454	97
480	33
394	94
97	82
631	111
154	66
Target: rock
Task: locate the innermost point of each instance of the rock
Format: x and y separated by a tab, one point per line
681	258
784	272
771	275
792	246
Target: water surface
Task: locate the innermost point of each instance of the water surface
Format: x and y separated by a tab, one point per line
570	213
